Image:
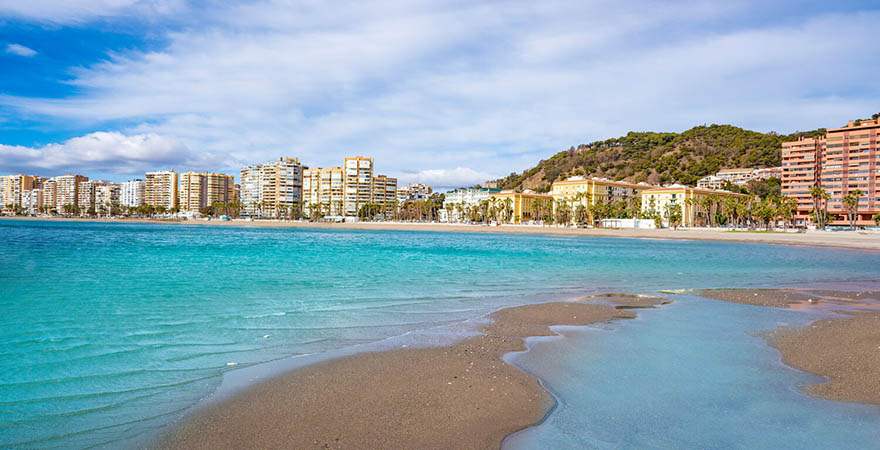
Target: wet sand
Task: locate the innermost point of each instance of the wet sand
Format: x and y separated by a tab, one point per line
869	241
845	349
777	298
461	396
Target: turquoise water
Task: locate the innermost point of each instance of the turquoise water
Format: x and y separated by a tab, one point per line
108	332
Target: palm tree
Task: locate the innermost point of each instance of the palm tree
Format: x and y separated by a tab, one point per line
508	210
851	204
820	205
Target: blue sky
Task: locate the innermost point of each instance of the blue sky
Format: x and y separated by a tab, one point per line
449	93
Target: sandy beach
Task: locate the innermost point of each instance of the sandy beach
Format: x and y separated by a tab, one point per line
869	241
460	396
846	350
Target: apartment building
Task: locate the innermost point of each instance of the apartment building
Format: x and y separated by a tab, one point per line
661	199
737	177
66	190
271	189
467	198
358	184
107	195
12	187
845	160
221	188
850	162
32	201
85	196
160	189
324	187
192	192
199	190
385	192
801	166
49	197
131	193
414	192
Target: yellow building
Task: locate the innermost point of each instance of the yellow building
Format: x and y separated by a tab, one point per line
271	189
67	190
49	197
12	187
221	188
358	184
324	187
193	192
696	205
519	207
160	189
385	192
592	191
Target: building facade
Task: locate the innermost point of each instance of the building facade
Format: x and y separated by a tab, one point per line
414	192
525	206
160	189
32	201
844	161
271	189
107	197
591	191
801	165
324	188
221	188
66	191
737	177
192	192
661	200
458	200
358	184
384	192
85	195
12	187
131	193
49	197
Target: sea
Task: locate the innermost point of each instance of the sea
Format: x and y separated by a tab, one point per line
111	332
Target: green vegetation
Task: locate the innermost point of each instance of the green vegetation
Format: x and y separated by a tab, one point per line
659	158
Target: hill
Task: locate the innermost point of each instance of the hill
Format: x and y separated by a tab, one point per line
659	158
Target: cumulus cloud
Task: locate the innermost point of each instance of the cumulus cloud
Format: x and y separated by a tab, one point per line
429	89
447	178
106	152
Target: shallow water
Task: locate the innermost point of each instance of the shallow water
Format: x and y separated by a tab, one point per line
108	332
694	374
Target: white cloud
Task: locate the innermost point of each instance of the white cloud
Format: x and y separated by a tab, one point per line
80	11
20	50
433	88
106	152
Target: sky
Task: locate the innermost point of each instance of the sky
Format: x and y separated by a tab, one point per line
449	93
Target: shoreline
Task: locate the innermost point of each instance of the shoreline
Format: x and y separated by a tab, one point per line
463	395
843	348
865	241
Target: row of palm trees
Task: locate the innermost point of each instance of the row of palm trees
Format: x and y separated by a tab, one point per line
851	205
580	209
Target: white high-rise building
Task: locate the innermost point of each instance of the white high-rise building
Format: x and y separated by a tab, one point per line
270	189
131	193
32	200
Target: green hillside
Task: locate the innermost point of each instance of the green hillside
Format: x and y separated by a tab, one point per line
659	158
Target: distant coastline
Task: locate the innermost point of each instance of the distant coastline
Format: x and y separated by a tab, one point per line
860	240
